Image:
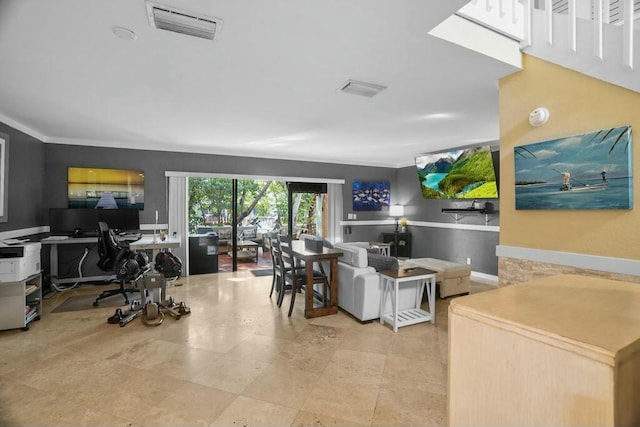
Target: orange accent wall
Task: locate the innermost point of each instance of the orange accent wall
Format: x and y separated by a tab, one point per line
577	104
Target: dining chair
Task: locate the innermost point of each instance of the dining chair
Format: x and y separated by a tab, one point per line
296	278
271	238
278	269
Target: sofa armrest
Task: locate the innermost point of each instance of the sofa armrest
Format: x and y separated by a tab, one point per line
367	288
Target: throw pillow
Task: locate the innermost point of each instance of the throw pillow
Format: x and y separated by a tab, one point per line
249	233
381	262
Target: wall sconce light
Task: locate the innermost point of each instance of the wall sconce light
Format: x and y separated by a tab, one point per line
396	211
538	117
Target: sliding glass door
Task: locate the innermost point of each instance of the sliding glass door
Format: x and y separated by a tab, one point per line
308	209
241	212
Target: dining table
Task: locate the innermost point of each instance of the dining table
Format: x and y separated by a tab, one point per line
311	256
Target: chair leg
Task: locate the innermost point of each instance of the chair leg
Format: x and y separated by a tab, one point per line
273	283
111	292
294	291
281	292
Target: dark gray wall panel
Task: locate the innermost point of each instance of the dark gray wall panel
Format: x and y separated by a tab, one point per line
154	163
457	246
38	180
26	178
448	244
366	233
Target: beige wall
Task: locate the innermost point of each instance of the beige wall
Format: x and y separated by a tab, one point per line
577	104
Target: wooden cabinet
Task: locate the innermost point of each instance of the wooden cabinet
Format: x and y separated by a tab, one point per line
400	244
562	350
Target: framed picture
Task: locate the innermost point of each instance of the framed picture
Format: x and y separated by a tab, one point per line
4	176
590	171
371	196
105	188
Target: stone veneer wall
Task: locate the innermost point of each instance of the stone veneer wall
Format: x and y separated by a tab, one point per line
513	271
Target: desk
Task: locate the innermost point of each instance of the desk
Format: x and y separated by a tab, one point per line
54	241
155	244
146	242
391	279
309	257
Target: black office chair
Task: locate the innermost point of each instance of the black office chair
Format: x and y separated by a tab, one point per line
125	264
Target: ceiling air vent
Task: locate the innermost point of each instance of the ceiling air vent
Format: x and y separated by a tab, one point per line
355	87
182	22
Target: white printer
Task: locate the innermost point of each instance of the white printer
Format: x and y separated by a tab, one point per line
19	261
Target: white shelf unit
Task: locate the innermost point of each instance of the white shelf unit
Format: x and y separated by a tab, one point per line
417	277
20	302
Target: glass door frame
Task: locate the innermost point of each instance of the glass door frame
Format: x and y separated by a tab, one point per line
302	187
181	223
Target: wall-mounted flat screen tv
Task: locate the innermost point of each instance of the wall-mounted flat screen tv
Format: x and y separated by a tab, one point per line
105	188
458	174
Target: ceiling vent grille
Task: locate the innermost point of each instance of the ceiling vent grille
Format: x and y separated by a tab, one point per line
355	87
182	22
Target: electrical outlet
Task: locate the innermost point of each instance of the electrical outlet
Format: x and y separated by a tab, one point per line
468	261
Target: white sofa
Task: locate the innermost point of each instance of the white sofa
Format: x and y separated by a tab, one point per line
359	288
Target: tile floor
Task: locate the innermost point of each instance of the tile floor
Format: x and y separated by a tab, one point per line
236	360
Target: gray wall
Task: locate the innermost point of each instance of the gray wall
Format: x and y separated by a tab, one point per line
154	163
38	181
448	244
25	181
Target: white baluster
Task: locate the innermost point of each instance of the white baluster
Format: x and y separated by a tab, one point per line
514	16
501	11
527	12
548	13
572	18
627	33
488	5
598	23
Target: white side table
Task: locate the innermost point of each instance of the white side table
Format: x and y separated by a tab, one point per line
391	280
382	247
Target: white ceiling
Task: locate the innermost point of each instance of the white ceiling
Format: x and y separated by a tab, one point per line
265	88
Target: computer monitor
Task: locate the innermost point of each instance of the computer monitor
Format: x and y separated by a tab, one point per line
73	221
120	220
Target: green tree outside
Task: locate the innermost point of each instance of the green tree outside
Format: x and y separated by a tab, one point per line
210	204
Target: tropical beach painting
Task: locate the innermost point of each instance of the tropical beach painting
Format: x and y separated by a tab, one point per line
590	171
105	188
371	196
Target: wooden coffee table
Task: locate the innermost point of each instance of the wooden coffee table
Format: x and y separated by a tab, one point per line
246	250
